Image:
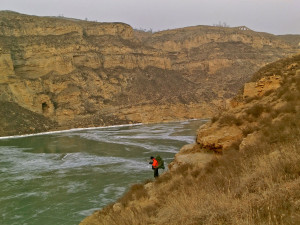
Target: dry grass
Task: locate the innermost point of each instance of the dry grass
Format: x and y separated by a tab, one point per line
256	110
136	192
261	190
259	185
229	119
280	67
249	129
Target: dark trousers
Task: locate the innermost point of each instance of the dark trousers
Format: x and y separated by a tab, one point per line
155	172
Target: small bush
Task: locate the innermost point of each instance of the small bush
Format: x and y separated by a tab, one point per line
214	119
282	130
229	119
269	92
196	173
266	120
289	107
291	96
250	99
136	191
255	110
282	90
268	108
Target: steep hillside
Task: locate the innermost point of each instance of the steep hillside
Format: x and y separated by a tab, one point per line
81	73
293	39
243	169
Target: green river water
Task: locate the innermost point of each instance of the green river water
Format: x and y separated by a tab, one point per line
60	178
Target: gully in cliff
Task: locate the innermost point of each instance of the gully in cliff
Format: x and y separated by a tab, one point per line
157	163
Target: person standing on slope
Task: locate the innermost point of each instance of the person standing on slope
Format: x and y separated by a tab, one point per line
154	166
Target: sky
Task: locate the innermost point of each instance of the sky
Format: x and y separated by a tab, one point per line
272	16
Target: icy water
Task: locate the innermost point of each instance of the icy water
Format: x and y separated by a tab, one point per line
61	178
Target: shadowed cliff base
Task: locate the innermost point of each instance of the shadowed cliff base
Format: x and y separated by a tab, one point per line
243	169
16	120
81	73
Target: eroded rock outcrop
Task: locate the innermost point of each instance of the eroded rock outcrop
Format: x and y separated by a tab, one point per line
259	88
240	123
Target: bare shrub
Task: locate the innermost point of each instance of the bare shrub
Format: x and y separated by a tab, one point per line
250	99
282	90
256	110
291	96
288	107
268	108
282	130
269	92
229	119
215	118
266	120
249	129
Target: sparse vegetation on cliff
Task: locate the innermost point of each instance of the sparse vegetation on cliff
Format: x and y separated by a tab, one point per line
86	73
255	180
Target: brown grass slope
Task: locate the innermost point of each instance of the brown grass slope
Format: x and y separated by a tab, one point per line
293	39
254	181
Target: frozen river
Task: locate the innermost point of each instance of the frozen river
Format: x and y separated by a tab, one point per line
60	178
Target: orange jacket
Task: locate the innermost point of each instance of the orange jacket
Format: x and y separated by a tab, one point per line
155	163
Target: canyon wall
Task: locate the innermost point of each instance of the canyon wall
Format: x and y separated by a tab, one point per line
242	160
80	73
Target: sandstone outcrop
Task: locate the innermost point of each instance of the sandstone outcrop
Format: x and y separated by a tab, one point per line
190	155
218	138
240	123
259	88
80	73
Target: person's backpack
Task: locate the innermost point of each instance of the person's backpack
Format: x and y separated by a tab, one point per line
161	163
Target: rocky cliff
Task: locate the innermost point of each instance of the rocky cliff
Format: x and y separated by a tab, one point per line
80	73
244	167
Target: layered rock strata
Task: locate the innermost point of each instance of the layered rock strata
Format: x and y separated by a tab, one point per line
81	73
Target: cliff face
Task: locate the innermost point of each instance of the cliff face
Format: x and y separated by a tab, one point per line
81	73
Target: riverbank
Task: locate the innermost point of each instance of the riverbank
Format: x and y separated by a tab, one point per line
251	164
62	130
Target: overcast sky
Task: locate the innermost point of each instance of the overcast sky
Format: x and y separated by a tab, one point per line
272	16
